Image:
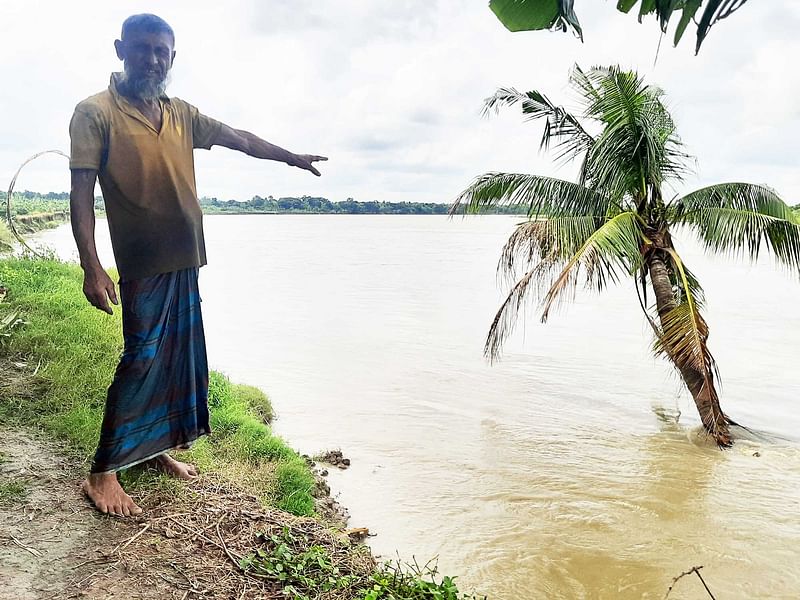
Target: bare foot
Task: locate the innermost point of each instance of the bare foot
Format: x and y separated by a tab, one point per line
170	466
108	496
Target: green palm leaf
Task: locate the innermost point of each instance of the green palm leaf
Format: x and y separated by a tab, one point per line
572	140
553	241
542	196
613	248
617	246
639	145
741	219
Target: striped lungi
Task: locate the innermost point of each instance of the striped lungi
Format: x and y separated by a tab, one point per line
159	397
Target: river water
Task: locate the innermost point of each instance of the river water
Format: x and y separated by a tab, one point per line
573	467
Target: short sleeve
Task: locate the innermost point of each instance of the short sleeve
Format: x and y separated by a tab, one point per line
204	129
87	138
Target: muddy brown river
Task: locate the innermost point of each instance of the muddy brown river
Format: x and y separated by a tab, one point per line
572	468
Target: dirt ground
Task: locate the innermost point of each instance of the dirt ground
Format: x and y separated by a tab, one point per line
51	540
54	545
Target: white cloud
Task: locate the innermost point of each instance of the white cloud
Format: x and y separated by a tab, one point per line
392	91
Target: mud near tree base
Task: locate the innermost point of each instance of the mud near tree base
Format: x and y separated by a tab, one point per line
50	537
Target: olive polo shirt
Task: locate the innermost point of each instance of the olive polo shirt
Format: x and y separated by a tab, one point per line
147	178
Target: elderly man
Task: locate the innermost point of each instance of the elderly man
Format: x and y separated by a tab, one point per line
139	143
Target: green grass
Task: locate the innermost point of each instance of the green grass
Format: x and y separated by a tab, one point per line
256	399
78	348
6	238
12	492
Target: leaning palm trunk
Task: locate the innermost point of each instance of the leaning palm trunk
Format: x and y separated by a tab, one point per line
700	382
613	223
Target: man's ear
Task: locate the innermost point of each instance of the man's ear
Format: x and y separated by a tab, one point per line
172	61
119	46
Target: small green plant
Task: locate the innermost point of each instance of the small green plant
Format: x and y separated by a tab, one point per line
395	581
304	571
307	571
8	320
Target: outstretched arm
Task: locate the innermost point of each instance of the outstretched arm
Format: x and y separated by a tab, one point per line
97	285
252	145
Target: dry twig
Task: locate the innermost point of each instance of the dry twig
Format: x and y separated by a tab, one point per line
131	540
696	571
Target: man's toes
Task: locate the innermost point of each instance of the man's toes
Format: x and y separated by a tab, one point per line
192	470
125	510
135	509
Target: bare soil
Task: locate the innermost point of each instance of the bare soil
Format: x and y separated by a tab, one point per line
50	537
54	545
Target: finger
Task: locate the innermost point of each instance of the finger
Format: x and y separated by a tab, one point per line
112	293
314	171
316	158
100	303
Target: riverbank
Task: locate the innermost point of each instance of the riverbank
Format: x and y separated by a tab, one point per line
58	357
38	221
27	224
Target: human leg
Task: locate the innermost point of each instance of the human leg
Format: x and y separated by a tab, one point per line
158	399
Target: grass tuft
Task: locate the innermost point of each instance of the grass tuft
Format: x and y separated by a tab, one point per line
257	400
12	492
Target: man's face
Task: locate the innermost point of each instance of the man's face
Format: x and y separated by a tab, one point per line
147	58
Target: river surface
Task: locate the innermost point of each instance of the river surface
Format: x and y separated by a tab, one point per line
573	467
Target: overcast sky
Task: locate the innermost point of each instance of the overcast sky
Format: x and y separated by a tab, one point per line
391	90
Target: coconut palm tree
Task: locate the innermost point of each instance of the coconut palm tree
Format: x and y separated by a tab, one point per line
616	221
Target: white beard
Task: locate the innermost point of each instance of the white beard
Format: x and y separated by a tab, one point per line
143	89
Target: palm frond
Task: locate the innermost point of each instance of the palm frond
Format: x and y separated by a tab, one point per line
561	127
506	317
741	219
614	247
542	196
583	84
639	146
552	240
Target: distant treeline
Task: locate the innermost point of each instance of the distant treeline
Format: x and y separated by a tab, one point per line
34	203
318	205
27	202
